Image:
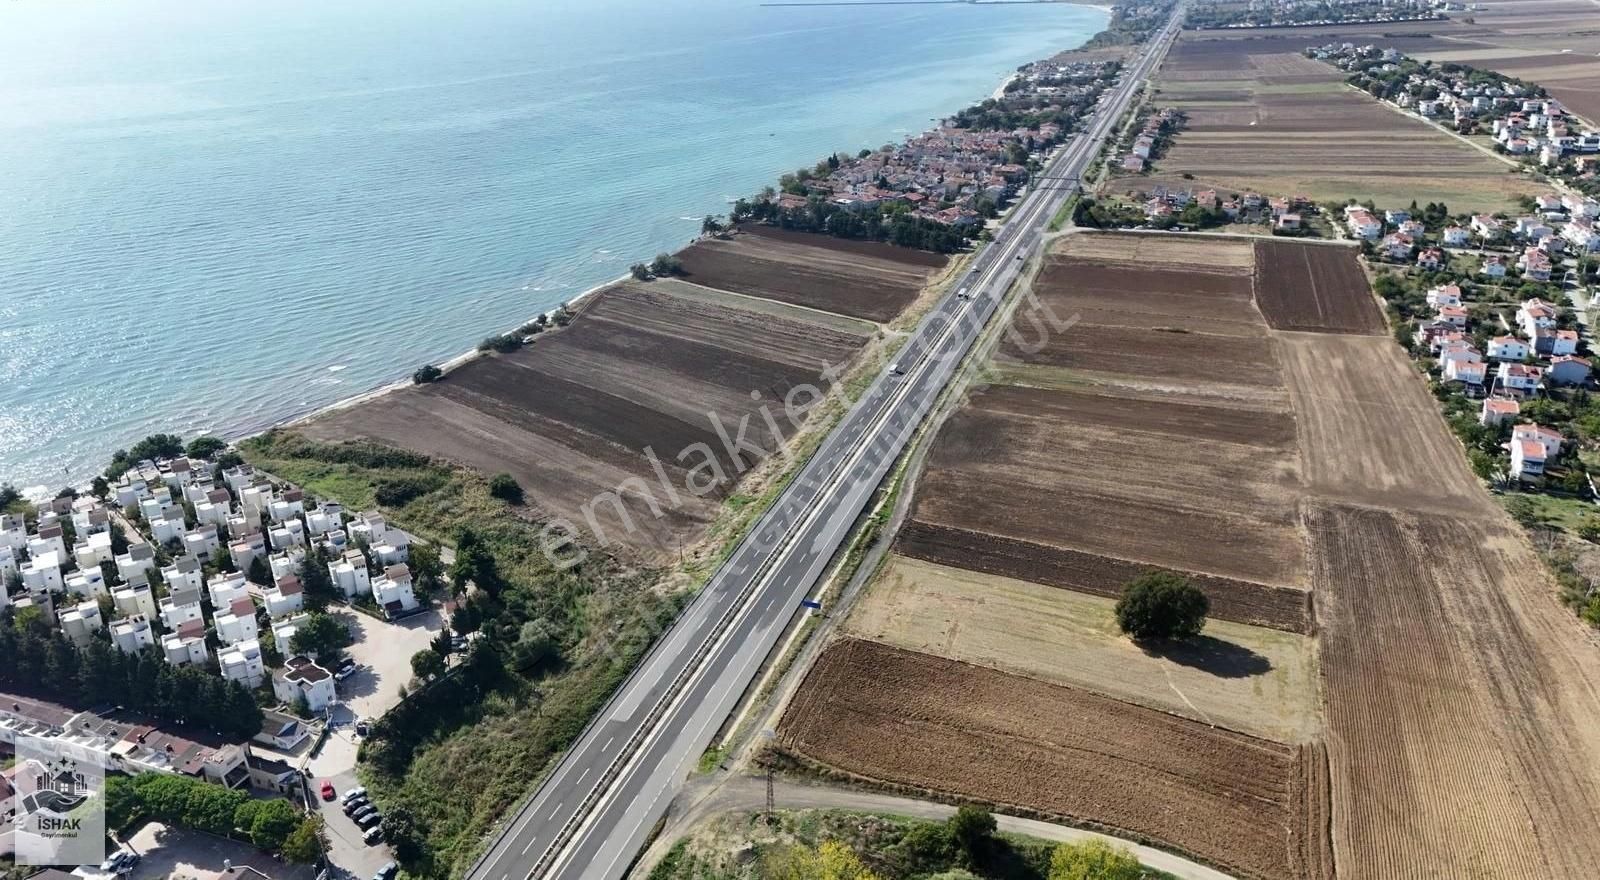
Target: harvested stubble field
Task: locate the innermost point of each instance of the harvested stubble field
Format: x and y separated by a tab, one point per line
927	723
861	279
1322	289
1284	124
1370	432
1248	678
642	366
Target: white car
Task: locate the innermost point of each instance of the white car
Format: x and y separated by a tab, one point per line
352	794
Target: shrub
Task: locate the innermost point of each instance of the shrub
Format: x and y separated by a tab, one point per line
640	272
1162	605
400	491
505	488
666	264
427	373
1093	860
505	343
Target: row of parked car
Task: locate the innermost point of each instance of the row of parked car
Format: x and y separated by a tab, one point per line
360	809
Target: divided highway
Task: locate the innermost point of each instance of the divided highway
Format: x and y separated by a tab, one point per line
593	813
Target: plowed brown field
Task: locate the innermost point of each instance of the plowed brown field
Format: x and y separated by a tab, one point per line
858	278
1219	505
1315	287
925	722
571	417
1461	704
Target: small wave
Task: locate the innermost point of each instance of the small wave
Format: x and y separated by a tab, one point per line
338	367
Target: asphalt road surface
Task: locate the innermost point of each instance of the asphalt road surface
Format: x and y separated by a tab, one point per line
593	813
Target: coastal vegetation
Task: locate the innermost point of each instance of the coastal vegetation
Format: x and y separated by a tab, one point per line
554	642
893	223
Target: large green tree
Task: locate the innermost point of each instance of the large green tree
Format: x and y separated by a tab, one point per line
1161	605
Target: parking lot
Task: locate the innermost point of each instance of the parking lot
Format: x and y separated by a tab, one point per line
383	652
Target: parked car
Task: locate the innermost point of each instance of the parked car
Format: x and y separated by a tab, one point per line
387	872
373	837
370	822
363	812
120	862
344	673
348	662
359	791
363	728
356	806
327	789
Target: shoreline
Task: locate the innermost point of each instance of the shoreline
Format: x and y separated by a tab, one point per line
472	354
446	366
44	491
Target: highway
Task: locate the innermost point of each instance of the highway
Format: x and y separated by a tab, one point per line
594	811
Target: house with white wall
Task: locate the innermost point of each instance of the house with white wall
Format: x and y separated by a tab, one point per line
393	592
1519	379
130	635
134	600
1497	410
242	662
350	576
286	597
236	622
187	644
179	607
1507	348
301	678
80	622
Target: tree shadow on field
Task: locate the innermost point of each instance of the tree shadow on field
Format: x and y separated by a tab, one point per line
1209	654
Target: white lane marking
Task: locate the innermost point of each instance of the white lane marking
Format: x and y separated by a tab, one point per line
607	745
584	773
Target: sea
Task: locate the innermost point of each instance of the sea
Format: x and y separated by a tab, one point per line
218	216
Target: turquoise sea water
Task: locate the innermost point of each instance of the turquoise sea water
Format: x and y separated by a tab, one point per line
216	216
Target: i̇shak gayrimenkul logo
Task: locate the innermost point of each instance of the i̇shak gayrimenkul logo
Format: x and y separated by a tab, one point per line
60	804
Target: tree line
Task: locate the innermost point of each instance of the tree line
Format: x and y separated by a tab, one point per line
41	660
891	222
275	825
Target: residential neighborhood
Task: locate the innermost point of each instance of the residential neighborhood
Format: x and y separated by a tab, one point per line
960	173
193	565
